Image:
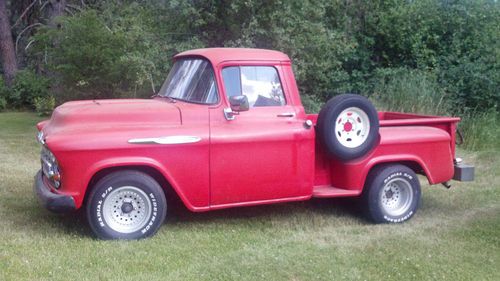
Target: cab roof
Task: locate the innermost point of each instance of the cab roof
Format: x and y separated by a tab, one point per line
218	55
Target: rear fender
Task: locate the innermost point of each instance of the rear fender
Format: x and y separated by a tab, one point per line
433	159
352	176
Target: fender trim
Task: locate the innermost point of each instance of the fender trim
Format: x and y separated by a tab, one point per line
166	140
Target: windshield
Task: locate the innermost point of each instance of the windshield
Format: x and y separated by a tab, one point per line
191	80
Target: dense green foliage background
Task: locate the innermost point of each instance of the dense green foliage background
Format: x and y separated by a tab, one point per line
428	56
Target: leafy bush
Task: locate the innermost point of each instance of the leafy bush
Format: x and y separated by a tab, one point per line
311	104
86	56
123	48
407	90
27	86
473	84
481	130
105	54
456	40
44	105
298	28
416	56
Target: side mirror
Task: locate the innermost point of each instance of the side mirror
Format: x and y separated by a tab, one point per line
239	103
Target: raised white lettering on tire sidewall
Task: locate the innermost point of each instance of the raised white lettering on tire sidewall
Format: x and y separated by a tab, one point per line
401	219
100	217
398	174
99	208
410	213
154	214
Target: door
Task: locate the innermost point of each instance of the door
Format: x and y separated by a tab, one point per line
257	156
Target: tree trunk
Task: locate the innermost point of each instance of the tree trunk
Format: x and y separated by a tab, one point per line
8	53
57	8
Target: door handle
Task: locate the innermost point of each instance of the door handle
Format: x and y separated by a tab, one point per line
286	114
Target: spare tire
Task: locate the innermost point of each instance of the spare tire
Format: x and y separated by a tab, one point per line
348	126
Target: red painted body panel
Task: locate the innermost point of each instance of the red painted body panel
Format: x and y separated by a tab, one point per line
258	158
428	141
250	155
85	144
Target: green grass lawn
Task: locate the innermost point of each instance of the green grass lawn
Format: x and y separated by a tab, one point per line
454	236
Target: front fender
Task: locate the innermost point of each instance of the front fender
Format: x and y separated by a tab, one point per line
125	162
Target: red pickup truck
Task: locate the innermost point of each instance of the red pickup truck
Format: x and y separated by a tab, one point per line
228	129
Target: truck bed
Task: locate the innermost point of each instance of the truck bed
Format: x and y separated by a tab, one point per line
406	119
397	131
392	119
448	124
388	118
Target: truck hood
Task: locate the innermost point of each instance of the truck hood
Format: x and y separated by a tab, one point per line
104	115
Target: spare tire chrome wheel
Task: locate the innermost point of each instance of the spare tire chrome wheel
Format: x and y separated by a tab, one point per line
126	205
348	126
391	194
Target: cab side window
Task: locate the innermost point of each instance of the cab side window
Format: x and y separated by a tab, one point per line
260	84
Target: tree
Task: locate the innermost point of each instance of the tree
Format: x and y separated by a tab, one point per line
7	50
57	8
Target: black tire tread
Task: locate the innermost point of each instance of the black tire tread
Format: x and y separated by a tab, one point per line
122	176
369	206
324	125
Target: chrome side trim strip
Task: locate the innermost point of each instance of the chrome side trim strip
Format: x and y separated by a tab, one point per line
166	140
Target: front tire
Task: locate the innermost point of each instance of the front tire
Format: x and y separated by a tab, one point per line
391	194
126	205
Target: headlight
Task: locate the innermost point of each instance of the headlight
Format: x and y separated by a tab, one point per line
49	167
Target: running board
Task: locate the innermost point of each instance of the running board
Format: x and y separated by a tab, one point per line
326	191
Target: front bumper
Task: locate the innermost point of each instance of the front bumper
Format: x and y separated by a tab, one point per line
57	203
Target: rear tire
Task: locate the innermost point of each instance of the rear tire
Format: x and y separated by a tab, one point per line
391	194
126	205
348	126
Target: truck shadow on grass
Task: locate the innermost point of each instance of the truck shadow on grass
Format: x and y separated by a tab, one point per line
337	211
345	208
75	224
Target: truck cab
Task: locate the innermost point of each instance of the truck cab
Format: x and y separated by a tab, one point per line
228	129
